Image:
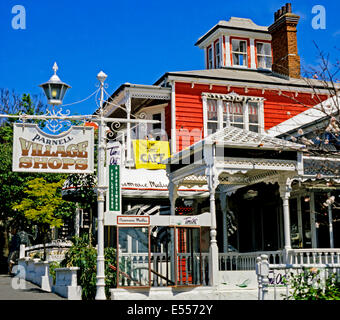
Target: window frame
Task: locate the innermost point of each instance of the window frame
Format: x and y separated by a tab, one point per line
210	60
217	62
256	53
220	112
247	40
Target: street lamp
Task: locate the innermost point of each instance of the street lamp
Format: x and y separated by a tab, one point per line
54	88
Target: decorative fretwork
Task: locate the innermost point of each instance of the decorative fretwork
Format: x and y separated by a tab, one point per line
57	125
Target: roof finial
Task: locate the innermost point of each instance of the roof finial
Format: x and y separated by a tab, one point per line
55	68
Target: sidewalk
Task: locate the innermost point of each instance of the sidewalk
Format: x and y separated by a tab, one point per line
31	291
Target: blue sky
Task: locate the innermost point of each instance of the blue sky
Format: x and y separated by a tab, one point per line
134	41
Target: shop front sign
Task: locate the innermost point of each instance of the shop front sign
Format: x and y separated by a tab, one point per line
37	151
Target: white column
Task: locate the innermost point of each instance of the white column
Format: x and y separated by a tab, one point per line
285	194
101	190
213	251
128	129
205	116
219	114
330	223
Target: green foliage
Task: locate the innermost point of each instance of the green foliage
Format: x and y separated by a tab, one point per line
83	255
12	183
310	285
52	266
41	202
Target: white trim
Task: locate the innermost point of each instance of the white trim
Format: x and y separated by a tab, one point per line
213	55
261	117
173	119
264	55
252	54
219	110
220	106
227	53
205	117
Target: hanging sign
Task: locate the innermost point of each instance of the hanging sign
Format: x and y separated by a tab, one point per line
149	154
37	151
113	163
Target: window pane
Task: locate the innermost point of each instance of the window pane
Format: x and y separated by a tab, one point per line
156	116
212	127
253	112
239	46
212	110
267	50
240	59
217	48
243	46
236	114
259	48
268	62
253	128
210	57
133	256
261	62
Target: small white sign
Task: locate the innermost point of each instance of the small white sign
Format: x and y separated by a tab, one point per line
37	151
133	220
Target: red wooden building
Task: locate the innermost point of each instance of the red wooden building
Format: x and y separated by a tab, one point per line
252	80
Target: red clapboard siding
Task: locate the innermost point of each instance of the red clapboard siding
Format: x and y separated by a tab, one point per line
278	107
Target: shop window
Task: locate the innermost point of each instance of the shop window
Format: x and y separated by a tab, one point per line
158	256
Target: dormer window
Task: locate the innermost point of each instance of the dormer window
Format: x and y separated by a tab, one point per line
239	50
264	55
217	54
210	58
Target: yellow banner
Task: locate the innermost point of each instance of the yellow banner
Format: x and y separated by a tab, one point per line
149	154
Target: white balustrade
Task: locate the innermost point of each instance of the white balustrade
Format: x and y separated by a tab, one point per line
279	275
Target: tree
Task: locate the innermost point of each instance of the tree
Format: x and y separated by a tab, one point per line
43	205
13	183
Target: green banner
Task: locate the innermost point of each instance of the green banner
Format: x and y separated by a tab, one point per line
114	188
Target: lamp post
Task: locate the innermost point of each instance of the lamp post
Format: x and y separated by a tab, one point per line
101	190
55	90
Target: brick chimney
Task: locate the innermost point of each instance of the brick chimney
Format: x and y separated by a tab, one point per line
286	60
